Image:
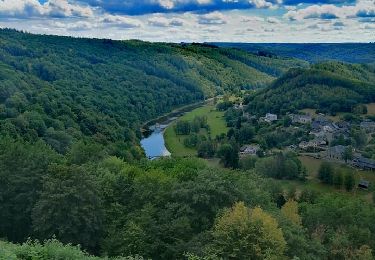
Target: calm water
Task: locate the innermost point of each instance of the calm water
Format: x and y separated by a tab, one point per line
154	144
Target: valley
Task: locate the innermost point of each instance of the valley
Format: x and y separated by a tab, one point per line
149	150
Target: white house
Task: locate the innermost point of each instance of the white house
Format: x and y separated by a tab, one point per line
249	149
270	117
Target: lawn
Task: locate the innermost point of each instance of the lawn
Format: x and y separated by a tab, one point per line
215	119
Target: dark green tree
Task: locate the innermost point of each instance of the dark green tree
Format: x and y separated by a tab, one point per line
69	207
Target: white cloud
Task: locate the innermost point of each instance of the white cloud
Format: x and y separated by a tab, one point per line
20	8
212	18
52	8
365	7
161	21
273	20
121	21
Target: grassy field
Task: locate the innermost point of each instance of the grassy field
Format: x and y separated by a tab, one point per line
371	109
313	182
215	119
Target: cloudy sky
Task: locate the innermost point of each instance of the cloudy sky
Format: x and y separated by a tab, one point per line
196	20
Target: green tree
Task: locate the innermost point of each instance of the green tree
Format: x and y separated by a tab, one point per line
22	168
206	149
338	179
349	181
69	207
229	156
326	173
348	154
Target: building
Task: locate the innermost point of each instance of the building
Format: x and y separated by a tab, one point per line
270	117
249	149
363	163
317	142
301	119
363	184
368	126
336	152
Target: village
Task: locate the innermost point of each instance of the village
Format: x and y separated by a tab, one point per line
325	139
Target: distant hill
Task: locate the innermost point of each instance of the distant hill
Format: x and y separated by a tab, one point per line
312	52
62	89
329	87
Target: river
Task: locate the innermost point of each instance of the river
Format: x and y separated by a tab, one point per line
154	144
153	138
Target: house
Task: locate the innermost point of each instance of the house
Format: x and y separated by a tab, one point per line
317	142
328	128
363	163
368	126
238	106
363	184
249	149
270	117
301	119
335	152
319	122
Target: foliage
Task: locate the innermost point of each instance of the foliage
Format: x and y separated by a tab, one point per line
311	52
329	87
241	233
69	207
63	90
229	155
281	166
50	249
290	211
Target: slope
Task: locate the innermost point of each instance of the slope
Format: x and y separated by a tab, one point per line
329	87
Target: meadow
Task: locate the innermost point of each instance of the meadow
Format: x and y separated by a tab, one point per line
215	119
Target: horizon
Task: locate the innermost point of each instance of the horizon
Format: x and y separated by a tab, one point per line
240	21
171	42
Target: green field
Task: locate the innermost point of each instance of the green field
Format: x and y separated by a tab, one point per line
215	119
314	183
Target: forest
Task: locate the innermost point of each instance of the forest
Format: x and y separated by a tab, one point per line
166	209
329	87
312	52
75	184
63	90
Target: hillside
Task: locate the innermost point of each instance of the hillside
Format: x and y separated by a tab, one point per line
62	89
329	87
313	52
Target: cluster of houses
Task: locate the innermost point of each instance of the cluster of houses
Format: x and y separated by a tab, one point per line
337	153
323	130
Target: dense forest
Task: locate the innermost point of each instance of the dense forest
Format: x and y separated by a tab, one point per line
329	87
312	52
166	209
63	90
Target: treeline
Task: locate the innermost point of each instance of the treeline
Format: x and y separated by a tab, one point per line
329	87
168	209
312	52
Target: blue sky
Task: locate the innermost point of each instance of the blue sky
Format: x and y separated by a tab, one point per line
196	20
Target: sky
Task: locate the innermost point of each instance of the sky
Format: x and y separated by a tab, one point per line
196	20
